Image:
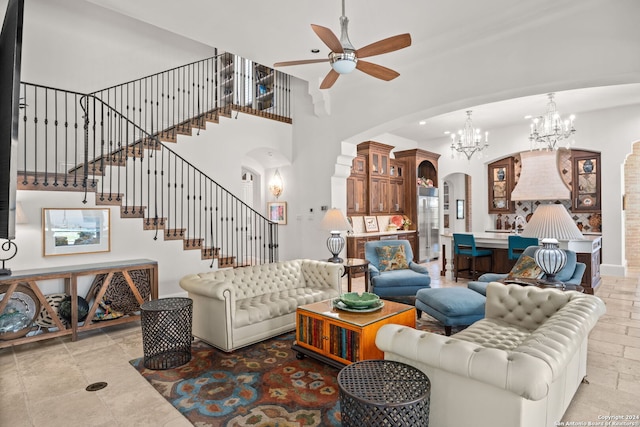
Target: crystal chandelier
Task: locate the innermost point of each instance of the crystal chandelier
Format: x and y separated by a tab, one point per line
469	139
549	129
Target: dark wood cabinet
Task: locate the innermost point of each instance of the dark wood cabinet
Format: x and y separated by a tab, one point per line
585	183
501	182
357	195
368	186
379	193
396	187
359	165
396	190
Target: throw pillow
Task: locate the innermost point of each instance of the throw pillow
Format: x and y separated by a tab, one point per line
392	258
526	267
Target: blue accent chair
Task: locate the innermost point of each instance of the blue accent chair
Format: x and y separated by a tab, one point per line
571	273
517	245
464	245
395	283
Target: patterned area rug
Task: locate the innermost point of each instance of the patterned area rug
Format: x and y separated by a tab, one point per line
260	385
263	385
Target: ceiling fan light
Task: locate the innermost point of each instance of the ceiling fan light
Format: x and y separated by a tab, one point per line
343	63
344	66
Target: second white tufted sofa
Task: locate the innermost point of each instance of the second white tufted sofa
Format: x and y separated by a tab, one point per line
518	367
237	307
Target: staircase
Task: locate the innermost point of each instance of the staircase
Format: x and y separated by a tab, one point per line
114	143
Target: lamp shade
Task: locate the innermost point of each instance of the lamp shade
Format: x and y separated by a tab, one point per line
539	178
334	220
552	221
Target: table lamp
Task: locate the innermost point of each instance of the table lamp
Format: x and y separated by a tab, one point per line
334	221
551	223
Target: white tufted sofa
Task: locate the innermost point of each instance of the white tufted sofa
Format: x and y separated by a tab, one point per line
238	307
519	366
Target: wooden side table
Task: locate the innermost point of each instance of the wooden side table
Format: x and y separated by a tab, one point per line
353	266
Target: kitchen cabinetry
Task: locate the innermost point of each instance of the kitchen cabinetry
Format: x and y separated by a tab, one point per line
357	187
585	183
501	183
396	187
340	337
378	166
356	195
379	192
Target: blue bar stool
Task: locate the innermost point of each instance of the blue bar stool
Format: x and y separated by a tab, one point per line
465	245
517	245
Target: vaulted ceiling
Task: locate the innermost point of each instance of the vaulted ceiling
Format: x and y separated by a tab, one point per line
454	43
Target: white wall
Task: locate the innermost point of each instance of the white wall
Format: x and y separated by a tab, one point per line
218	151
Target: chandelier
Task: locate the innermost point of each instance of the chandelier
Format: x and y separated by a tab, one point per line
549	129
468	140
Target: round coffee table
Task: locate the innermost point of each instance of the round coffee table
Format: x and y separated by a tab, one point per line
383	393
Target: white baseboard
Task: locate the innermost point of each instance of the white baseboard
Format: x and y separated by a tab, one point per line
612	270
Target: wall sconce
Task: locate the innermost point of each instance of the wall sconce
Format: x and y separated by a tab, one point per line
275	185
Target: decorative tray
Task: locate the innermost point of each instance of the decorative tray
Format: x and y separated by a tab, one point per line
342	306
360	300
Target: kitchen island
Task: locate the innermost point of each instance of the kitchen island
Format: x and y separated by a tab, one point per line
588	251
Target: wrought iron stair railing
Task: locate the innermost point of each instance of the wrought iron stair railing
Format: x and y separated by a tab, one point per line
175	101
77	142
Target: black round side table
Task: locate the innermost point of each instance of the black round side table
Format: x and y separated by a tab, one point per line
166	332
384	393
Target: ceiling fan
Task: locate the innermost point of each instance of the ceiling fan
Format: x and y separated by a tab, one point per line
344	57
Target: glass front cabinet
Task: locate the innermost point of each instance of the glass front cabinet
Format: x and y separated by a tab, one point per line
501	183
585	184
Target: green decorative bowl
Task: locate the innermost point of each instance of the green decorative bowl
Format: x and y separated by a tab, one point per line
356	300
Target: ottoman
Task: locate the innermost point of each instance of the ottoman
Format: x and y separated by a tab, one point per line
451	306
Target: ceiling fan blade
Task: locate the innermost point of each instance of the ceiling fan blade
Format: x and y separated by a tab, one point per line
330	79
301	62
328	38
377	71
385	46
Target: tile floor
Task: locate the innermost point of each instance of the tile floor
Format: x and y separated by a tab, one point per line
43	384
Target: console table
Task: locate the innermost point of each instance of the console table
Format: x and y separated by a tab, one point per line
70	274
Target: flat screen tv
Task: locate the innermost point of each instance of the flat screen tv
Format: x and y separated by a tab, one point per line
10	59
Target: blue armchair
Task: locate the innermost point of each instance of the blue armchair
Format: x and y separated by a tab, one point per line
571	273
394	282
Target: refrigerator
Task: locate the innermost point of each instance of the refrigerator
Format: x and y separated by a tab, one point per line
428	224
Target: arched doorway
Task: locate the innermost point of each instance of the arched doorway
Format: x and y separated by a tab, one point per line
456	203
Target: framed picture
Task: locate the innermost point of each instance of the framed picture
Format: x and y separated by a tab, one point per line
277	212
75	231
459	209
370	223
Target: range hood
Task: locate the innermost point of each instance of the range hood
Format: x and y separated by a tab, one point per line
540	178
